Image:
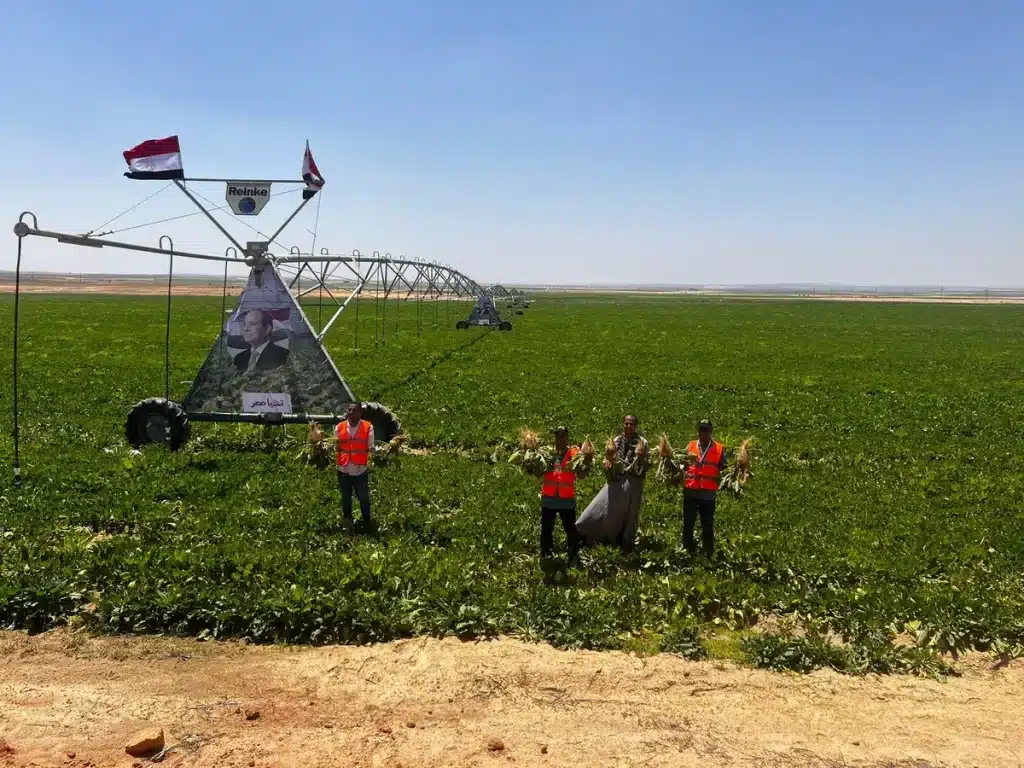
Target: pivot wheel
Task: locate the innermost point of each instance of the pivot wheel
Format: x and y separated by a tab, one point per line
505	325
156	420
385	424
461	325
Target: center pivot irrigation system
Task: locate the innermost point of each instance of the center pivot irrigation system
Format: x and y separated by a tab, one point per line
268	364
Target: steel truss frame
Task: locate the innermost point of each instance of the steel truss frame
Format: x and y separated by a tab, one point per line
407	278
413	278
498	291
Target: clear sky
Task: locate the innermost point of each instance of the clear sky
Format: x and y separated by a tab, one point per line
679	141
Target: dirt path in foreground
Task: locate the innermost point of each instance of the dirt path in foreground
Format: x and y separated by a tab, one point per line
440	703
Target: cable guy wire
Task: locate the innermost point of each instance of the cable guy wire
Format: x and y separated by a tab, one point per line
123	213
176	218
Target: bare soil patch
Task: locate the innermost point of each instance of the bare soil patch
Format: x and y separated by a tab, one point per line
70	700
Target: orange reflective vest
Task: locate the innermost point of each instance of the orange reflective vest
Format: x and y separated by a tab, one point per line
703	474
355	448
560	482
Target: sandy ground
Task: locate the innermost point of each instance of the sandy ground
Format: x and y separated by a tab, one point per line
70	700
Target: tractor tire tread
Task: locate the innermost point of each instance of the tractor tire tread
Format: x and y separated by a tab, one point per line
180	430
386	424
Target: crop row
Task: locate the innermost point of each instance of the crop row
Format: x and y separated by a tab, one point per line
887	495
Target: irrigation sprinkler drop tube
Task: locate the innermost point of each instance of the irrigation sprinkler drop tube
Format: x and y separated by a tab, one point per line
223	299
356	295
377	303
320	310
17	297
167	333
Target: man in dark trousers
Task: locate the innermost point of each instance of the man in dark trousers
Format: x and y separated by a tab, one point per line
355	447
558	497
700	487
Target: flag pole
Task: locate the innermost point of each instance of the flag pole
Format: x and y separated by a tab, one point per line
167	330
20	232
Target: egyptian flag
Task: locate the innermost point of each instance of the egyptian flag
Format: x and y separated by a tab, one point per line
310	175
155	159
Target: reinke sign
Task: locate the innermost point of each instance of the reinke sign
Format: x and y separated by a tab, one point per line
247	198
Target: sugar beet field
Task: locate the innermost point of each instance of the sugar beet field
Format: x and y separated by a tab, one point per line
883	527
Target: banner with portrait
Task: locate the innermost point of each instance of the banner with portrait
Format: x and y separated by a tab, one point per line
267	359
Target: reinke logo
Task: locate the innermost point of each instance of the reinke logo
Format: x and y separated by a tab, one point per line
247	199
248	191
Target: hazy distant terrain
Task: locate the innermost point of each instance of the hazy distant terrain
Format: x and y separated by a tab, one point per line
38	282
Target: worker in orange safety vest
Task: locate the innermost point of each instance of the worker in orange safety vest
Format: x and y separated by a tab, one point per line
355	446
558	497
700	487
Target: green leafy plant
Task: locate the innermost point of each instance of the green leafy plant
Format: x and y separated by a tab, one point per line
684	638
887	509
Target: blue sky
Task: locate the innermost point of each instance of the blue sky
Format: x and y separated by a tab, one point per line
611	141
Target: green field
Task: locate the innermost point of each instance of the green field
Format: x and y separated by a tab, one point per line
888	495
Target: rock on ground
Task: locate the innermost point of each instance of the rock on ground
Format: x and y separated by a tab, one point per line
145	742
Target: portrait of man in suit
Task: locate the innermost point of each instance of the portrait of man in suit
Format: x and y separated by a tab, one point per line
262	354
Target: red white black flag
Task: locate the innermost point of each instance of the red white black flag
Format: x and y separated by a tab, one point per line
310	175
155	159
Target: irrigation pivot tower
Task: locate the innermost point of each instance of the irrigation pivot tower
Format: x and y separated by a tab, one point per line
268	364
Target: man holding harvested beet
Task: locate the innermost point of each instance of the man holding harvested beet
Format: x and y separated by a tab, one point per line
613	516
558	496
704	467
355	444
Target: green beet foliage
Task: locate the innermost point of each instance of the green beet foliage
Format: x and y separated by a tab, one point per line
888	495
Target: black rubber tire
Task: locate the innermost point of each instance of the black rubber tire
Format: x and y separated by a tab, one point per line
505	325
156	420
385	424
461	325
519	311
